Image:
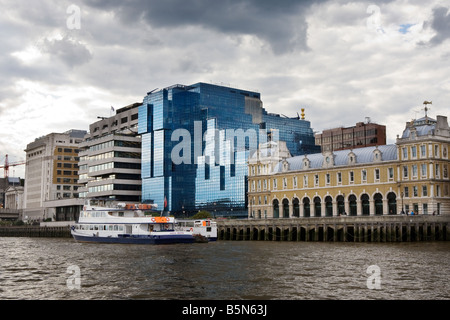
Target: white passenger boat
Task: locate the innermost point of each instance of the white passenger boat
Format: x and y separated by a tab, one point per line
202	229
104	222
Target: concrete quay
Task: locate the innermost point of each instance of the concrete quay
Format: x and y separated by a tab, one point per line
387	228
36	232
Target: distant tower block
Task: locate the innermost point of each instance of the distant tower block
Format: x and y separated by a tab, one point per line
303	113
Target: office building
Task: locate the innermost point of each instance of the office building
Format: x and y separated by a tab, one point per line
110	158
411	175
363	134
51	174
195	142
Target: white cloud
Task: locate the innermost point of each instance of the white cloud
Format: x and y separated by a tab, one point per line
324	56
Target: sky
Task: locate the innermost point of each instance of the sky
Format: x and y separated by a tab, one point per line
64	63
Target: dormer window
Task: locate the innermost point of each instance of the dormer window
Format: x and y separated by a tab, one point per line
377	155
328	160
351	158
306	163
285	166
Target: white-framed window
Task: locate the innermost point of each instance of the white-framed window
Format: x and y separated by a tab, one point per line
404	153
414	171
327	179
294	182
351	177
377	174
391	173
424	191
423	151
423	170
339	177
414	152
364	175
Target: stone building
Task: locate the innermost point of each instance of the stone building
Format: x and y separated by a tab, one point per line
410	175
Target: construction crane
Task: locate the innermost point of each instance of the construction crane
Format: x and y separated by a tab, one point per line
7	165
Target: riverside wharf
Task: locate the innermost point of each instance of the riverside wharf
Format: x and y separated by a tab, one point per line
388	228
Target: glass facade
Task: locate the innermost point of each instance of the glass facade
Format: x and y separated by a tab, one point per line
196	141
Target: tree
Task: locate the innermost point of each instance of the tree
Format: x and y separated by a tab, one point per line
203	214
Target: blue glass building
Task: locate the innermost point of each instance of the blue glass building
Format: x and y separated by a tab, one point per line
196	140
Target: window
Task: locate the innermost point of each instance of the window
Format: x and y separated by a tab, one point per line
436	151
391	173
423	169
284	183
316	180
305	181
377	174
405	153
414	151
414	170
275	183
339	178
265	184
327	178
423	150
406	192
415	193
405	172
294	182
364	175
425	208
438	173
424	191
351	177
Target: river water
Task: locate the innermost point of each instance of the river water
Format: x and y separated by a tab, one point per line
48	268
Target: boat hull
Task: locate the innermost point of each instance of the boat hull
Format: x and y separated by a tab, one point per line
163	239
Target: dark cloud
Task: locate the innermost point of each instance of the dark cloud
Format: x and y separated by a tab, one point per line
441	24
70	51
281	23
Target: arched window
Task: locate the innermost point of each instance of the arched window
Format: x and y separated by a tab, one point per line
285	208
276	209
365	205
352	205
296	207
392	203
317	207
306	207
328	206
340	204
378	198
